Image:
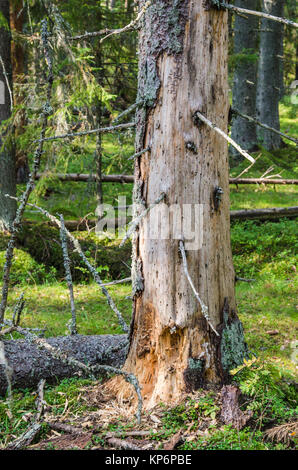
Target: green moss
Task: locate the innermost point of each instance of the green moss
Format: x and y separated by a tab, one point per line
25	270
233	347
42	244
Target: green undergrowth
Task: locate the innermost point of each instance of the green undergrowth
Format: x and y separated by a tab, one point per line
15	414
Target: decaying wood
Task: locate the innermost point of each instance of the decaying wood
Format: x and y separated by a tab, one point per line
182	69
25	439
30	364
174	441
230	411
65	428
122	444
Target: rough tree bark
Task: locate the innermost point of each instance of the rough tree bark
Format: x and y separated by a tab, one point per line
31	364
182	69
7	159
245	78
268	93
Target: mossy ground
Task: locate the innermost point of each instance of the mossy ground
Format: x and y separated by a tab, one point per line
267	308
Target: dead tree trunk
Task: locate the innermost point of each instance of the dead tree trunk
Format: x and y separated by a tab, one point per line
182	69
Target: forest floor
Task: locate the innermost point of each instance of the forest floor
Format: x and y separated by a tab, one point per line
264	251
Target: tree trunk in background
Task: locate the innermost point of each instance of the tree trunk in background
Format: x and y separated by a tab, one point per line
269	75
245	79
98	149
7	159
281	64
18	69
182	68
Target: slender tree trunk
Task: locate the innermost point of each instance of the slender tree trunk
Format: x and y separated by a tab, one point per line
269	74
18	67
182	68
245	78
98	149
7	159
281	64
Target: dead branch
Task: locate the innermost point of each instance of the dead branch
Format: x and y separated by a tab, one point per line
121	444
40	401
199	116
260	124
100	130
66	260
255	13
110	32
133	225
91	268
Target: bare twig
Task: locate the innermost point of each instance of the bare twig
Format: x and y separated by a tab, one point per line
249	167
202	118
119	281
100	130
204	307
260	124
242	279
255	13
18	310
133	225
40	401
125	113
91	268
110	32
133	24
73	324
138	154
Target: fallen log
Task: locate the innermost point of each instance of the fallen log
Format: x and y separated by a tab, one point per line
271	213
262	181
266	214
31	364
86	177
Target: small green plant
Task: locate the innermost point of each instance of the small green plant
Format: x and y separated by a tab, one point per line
272	395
